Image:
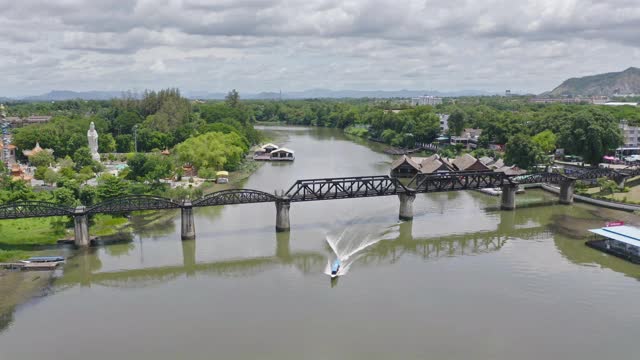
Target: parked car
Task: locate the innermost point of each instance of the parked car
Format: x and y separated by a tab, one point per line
632	158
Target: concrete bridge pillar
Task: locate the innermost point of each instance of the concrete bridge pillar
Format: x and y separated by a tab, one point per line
188	225
508	198
81	227
406	205
566	191
282	214
622	181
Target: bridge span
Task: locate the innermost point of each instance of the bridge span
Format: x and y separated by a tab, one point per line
300	191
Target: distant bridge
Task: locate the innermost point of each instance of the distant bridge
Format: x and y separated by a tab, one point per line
310	190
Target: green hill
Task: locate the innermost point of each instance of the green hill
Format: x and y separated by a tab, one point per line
609	84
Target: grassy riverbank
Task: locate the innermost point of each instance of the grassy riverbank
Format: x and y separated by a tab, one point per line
22	238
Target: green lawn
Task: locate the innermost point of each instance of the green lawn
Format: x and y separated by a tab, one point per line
633	196
104	225
20	237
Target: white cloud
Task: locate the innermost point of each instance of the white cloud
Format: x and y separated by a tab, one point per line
257	45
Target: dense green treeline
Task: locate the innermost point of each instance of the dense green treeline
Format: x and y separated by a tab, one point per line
164	119
582	129
210	136
157	120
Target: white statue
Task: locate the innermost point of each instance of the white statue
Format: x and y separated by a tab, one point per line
92	135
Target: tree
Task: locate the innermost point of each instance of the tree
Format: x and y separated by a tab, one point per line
106	143
124	143
110	186
590	133
125	122
82	157
608	186
64	196
546	141
522	151
149	167
39	173
233	99
41	159
456	122
88	195
213	150
388	136
51	177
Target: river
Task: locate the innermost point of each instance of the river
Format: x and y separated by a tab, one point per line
461	281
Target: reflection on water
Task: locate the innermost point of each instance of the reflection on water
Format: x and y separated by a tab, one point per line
521	279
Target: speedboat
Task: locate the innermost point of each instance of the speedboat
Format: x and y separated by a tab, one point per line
335	267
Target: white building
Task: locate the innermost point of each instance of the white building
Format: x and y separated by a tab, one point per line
631	134
612	103
426	100
444	123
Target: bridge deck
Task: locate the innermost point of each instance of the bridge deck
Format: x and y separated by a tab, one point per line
301	190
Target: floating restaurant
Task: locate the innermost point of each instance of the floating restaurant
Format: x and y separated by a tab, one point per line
618	239
271	152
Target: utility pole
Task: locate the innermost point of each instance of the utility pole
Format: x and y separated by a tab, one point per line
135	138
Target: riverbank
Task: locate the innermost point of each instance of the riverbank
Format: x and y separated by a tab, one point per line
596	202
23	238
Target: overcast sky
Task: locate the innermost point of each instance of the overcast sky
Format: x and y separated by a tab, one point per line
266	45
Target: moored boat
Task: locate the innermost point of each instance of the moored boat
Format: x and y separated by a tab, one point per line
44	259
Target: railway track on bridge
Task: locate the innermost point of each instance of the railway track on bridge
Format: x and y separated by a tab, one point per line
304	191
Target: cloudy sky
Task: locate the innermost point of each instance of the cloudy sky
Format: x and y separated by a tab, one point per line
266	45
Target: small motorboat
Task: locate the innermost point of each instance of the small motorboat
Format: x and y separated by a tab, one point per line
44	259
335	267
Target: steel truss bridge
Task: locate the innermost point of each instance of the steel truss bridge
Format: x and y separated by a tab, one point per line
306	190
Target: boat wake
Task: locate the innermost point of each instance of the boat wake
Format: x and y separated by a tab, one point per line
350	244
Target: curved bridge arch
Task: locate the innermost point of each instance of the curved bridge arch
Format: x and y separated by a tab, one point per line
30	209
234	196
133	203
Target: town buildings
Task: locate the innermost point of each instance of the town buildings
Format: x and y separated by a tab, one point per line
631	134
33	119
8	157
426	100
444	123
469	138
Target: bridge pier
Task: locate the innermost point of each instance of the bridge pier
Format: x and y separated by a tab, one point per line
406	205
282	215
566	190
188	225
508	197
81	227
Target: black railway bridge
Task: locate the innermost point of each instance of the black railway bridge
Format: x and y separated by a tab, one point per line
302	190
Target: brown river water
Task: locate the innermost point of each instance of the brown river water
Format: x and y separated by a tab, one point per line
461	281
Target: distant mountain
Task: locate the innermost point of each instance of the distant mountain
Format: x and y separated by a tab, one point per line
60	95
338	94
609	84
